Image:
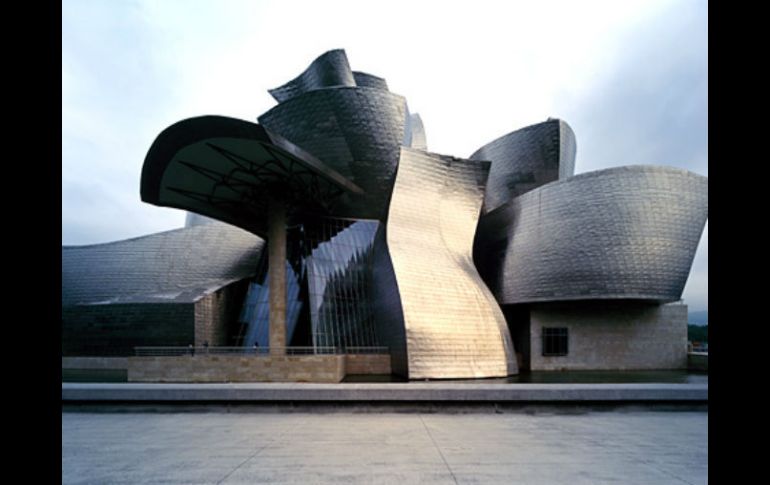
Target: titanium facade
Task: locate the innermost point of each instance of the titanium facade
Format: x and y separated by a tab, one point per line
173	288
356	131
454	327
620	233
526	159
328	70
365	80
419	141
180	265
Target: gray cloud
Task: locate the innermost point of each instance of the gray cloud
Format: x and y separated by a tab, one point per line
651	107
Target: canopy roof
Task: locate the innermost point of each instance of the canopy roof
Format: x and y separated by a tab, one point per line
230	169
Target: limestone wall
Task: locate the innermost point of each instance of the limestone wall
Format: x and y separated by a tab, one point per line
367	364
216	315
235	368
612	336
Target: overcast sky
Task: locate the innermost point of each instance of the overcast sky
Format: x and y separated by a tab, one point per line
630	77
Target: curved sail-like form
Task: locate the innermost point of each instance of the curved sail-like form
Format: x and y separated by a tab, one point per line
453	326
526	159
620	233
329	69
419	141
367	80
178	265
357	131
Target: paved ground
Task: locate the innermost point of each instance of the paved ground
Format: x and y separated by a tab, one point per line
243	448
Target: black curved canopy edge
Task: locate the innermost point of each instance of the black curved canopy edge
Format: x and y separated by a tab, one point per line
184	133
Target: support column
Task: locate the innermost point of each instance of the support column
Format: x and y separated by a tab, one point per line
276	244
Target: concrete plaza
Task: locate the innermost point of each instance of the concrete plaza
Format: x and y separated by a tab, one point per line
639	447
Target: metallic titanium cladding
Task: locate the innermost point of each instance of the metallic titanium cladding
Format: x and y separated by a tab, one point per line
454	327
366	80
355	131
327	70
165	267
526	159
418	141
620	233
386	305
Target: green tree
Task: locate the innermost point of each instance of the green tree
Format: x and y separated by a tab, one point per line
697	333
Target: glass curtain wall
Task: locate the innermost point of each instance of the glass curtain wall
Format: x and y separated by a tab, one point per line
255	312
328	268
338	261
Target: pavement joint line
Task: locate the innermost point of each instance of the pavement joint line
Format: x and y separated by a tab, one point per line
439	450
674	476
254	455
655	466
651	464
241	464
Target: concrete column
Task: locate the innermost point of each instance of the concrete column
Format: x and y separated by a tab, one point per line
276	245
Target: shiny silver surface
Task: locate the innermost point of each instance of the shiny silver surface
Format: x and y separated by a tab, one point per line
167	267
386	305
526	159
329	69
193	219
355	131
419	141
453	326
367	80
620	233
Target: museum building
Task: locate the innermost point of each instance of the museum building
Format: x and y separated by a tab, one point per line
329	226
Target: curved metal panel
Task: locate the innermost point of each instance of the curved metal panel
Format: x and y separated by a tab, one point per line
181	265
329	69
355	131
454	328
193	219
418	142
366	80
621	233
526	159
386	305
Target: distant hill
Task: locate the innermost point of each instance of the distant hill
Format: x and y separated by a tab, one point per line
698	333
698	318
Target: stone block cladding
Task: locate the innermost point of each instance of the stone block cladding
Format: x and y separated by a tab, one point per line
612	336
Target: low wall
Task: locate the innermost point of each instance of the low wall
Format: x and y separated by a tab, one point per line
94	369
698	361
359	364
224	368
236	368
94	363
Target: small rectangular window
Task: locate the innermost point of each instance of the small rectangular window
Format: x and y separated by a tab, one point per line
555	342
